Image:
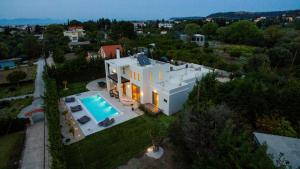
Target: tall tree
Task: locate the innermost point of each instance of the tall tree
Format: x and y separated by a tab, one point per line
192	28
210	29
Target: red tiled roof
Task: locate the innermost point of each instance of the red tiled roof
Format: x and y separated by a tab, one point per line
110	50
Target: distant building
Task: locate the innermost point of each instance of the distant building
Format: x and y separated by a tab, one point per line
109	51
198	39
138	25
74	33
167	25
259	19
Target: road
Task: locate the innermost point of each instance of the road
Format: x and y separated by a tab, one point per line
35	154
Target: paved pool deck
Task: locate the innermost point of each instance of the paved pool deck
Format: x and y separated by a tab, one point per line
91	127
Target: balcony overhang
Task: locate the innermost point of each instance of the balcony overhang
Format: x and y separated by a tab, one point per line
114	77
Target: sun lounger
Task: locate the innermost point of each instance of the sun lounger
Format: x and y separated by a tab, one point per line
69	99
84	119
76	108
106	122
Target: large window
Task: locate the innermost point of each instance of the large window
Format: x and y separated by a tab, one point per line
135	92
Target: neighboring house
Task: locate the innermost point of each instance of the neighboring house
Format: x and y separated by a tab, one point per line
167	25
196	38
74	33
145	80
281	149
109	51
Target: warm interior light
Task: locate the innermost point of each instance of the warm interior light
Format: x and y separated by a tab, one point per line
114	71
142	93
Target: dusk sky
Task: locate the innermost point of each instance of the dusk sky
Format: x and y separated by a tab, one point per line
133	9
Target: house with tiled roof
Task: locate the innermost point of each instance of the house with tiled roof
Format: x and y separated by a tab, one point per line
109	51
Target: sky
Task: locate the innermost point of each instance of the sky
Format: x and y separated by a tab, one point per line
133	9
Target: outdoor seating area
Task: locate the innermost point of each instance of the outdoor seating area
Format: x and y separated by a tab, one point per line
69	99
84	119
114	93
87	122
76	108
107	122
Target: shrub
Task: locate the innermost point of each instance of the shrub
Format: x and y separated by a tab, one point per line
16	76
52	114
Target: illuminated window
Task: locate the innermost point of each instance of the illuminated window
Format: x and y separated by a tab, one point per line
160	75
139	77
151	78
130	74
134	76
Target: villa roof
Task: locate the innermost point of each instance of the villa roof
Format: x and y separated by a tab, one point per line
287	146
110	50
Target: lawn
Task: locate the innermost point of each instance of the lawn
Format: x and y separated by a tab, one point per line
73	88
23	89
15	107
11	147
29	70
113	147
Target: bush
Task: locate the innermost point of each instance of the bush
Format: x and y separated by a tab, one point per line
16	76
52	114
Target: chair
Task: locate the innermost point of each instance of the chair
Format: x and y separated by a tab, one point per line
69	99
84	119
76	108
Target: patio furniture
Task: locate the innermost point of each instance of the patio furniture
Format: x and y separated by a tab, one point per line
111	93
84	119
126	101
75	108
116	94
106	122
102	84
69	99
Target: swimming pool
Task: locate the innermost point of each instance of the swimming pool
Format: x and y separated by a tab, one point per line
98	107
7	63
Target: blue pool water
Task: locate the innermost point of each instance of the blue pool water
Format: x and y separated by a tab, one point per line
98	107
7	63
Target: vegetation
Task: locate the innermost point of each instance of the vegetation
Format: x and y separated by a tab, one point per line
241	32
16	76
78	70
12	90
113	147
73	88
11	147
12	108
52	114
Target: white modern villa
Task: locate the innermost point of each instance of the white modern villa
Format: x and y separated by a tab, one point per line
145	80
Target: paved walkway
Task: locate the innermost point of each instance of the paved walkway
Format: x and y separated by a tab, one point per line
35	153
17	97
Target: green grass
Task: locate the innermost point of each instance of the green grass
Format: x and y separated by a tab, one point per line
73	88
11	147
113	147
23	89
15	107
